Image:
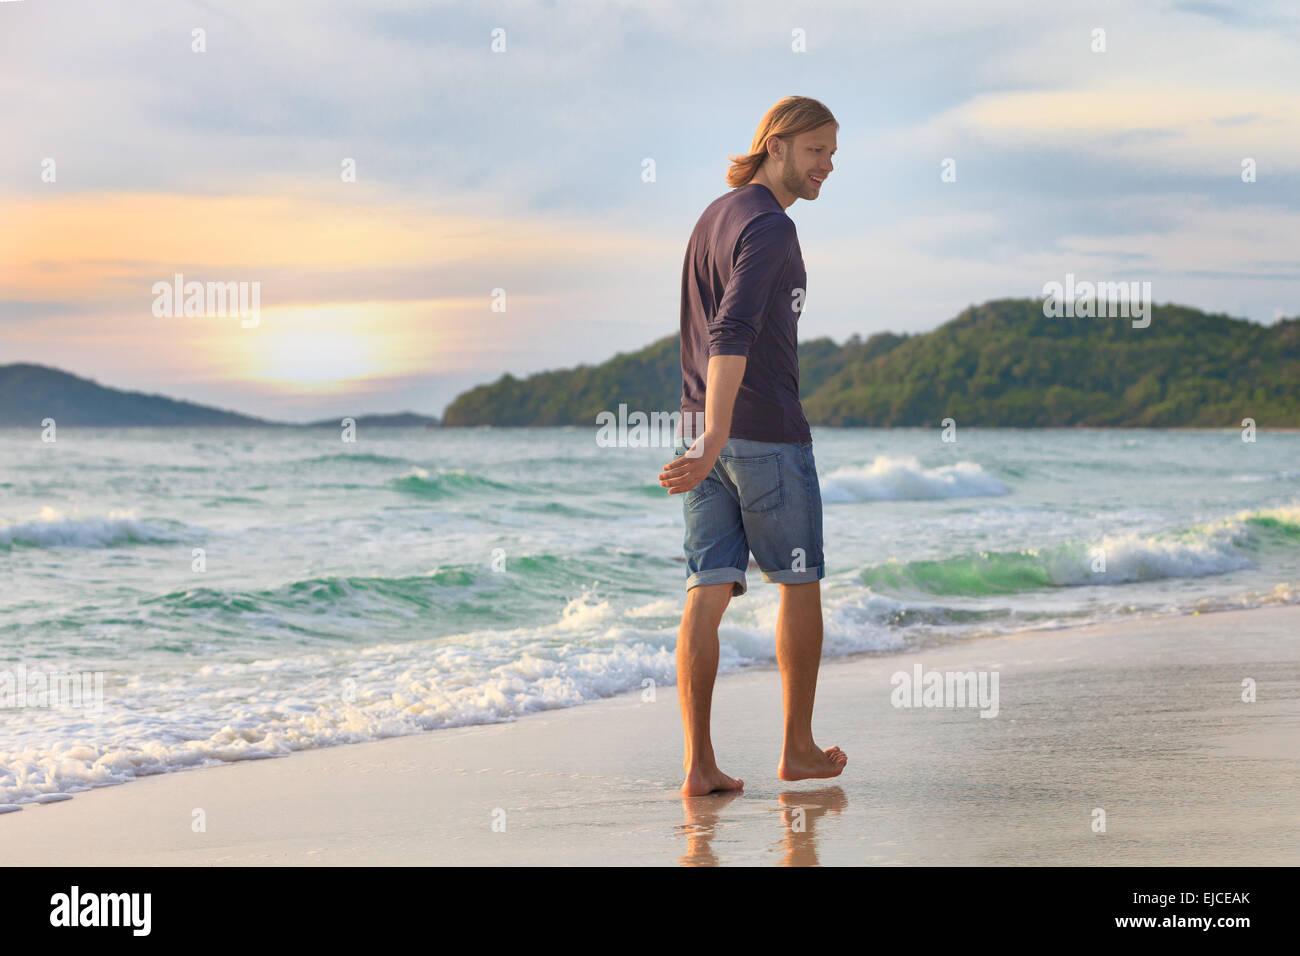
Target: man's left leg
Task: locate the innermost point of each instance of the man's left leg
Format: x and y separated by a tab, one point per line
799	654
716	558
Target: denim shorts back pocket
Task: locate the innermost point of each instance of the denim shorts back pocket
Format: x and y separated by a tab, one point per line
757	481
700	492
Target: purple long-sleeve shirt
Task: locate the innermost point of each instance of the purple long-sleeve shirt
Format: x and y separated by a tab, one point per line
743	285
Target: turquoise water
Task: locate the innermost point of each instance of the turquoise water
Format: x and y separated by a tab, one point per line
420	579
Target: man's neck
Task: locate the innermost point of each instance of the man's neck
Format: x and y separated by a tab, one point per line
783	196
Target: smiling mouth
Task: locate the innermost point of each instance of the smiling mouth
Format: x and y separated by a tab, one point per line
816	179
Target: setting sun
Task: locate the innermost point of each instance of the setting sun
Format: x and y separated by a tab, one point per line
315	345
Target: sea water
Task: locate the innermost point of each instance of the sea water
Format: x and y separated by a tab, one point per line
244	593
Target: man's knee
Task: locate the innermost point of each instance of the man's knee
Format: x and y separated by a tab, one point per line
709	599
805	595
803	589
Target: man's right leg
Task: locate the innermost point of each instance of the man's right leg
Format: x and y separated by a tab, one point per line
697	668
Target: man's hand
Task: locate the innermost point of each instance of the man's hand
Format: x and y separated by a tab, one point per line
682	474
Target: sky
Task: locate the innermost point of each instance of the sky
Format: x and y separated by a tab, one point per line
128	156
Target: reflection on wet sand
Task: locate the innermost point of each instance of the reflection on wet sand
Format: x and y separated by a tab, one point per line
800	810
701	815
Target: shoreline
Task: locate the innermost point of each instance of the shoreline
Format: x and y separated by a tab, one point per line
1142	720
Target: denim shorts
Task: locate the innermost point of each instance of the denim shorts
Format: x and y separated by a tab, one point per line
761	498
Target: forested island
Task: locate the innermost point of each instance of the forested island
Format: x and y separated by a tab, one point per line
1003	363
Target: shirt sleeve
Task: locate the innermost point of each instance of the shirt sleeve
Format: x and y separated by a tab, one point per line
764	252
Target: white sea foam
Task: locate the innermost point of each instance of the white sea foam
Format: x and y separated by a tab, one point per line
583	613
1287	513
1133	557
1213	548
51	529
269	707
664	607
290	703
903	479
1274	476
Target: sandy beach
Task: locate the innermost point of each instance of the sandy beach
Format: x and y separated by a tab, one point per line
1144	721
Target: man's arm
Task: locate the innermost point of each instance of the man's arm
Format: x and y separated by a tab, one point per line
720	390
724	376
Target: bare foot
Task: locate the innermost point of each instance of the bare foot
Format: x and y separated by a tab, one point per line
700	782
802	764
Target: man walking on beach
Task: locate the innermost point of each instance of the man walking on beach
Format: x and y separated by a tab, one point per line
748	479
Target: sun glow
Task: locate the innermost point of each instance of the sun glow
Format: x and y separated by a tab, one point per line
316	345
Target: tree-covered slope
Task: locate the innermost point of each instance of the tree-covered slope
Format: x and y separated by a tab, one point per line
31	393
647	380
1005	363
1000	363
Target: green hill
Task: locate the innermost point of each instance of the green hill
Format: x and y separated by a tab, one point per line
1005	363
650	379
642	379
1002	363
31	393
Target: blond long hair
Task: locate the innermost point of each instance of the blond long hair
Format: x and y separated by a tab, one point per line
788	118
